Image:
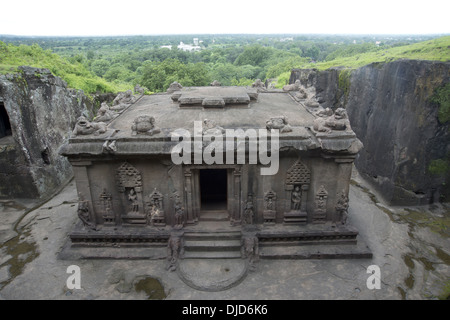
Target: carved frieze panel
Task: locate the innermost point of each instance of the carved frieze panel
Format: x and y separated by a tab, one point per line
297	174
128	176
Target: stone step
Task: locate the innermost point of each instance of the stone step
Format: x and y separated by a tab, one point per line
295	217
212	255
208	236
337	251
211	215
212	245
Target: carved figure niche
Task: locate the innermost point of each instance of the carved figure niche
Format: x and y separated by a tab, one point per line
155	209
129	183
320	211
298	179
269	213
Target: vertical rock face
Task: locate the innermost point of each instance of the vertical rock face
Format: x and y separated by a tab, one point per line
390	109
325	82
41	112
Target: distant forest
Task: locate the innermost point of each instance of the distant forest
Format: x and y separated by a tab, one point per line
155	61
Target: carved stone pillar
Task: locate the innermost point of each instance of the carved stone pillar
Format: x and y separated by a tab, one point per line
236	214
188	189
83	186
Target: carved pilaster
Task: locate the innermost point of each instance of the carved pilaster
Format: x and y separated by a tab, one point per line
320	201
191	218
269	213
109	218
236	214
80	169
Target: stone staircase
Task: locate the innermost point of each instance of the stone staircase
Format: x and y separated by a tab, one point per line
212	245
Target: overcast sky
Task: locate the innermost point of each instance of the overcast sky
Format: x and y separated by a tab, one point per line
136	17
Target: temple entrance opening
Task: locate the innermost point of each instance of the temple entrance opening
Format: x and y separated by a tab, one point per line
213	193
5	125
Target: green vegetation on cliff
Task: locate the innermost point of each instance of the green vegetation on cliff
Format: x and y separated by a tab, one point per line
442	98
73	73
436	49
352	57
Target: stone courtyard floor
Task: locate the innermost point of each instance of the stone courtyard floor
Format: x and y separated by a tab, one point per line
410	246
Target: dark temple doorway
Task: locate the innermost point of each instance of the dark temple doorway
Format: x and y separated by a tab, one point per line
5	125
213	190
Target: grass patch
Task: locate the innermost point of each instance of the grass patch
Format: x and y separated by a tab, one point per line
435	50
442	98
74	74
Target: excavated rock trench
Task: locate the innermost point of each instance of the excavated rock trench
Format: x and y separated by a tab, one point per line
409	243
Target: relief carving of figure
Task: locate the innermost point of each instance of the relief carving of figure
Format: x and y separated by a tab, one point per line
132	197
179	216
321	203
123	100
258	84
296	198
292	87
83	214
210	127
155	211
338	121
324	112
174	86
138	89
144	125
279	123
174	250
85	127
342	208
104	114
250	250
269	204
248	211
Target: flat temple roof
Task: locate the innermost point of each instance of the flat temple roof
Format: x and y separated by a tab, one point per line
236	112
170	115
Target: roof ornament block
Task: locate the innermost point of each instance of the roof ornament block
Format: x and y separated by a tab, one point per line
144	125
214	96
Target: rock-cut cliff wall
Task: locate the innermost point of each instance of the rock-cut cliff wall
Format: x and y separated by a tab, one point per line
391	110
40	111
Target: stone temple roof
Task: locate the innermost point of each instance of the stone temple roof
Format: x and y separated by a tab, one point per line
171	114
226	107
